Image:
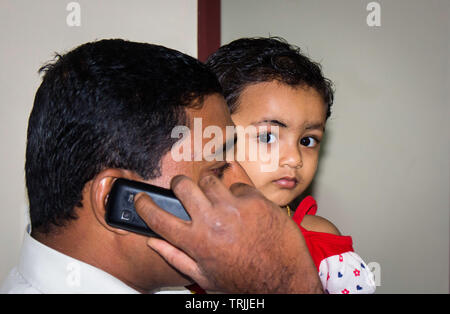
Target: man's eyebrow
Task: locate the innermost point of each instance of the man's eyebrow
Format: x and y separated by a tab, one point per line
272	121
228	145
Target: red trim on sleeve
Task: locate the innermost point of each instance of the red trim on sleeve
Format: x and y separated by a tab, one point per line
308	206
320	244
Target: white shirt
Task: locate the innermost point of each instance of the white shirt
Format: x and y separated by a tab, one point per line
43	270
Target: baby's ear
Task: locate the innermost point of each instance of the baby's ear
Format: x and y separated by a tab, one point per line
319	224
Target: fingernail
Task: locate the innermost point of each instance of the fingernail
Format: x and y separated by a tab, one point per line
175	180
207	180
150	243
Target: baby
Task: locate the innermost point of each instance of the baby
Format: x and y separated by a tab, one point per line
270	85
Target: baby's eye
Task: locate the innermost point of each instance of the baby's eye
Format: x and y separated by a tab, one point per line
309	141
267	138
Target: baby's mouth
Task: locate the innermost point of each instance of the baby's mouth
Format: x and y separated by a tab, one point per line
286	182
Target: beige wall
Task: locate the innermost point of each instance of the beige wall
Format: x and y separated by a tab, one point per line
30	34
384	172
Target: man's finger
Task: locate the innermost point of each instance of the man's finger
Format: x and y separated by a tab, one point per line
190	195
214	189
168	226
179	260
240	189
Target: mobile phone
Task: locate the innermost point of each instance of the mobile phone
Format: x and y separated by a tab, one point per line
120	210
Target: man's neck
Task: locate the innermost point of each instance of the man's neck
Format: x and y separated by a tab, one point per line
113	254
69	241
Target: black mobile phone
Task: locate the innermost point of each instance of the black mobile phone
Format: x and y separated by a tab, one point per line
120	210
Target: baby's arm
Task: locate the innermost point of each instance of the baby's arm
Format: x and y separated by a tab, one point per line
319	224
343	273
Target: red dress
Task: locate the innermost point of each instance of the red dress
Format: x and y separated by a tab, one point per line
321	245
340	269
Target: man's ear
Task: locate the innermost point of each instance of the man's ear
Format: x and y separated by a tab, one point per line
99	190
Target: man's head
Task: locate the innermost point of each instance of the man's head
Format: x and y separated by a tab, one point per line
105	110
106	104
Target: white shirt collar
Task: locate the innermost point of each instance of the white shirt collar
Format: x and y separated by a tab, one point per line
50	271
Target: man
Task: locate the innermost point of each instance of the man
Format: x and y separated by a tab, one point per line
106	110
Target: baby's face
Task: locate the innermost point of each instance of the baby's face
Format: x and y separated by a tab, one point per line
300	115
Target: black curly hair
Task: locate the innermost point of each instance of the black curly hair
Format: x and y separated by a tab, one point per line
248	61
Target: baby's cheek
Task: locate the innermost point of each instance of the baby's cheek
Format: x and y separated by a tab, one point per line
307	175
253	170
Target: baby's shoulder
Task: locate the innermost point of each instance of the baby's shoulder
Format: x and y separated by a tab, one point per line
319	224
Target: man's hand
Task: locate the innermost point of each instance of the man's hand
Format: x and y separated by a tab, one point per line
237	241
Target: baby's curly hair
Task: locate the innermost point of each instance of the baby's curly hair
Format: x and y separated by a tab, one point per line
248	61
